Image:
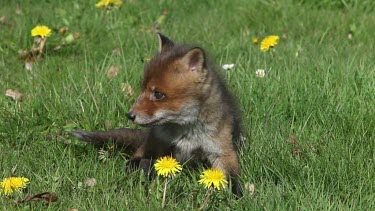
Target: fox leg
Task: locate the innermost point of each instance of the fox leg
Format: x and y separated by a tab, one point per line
124	138
146	154
132	140
228	163
141	160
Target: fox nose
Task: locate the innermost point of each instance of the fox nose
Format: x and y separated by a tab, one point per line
130	116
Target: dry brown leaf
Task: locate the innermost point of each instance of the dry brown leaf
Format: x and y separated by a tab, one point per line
116	51
350	35
313	148
160	20
18	11
296	151
22	54
57	48
28	55
46	197
90	182
35	53
29	65
112	72
3	20
72	209
250	188
107	124
14	94
63	29
127	89
77	35
292	140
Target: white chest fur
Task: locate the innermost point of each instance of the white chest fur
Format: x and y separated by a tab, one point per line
189	142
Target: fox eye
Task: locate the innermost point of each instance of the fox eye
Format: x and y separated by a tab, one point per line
158	95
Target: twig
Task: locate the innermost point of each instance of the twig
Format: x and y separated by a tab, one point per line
164	193
42	44
209	193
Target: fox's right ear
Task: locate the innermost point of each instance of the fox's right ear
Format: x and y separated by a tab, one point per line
164	43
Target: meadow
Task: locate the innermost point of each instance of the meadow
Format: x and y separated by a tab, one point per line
309	123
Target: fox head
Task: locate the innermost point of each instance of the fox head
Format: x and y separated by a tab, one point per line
173	86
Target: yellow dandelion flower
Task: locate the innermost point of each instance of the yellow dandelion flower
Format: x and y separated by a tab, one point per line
41	31
8	185
213	178
255	40
166	166
108	3
269	42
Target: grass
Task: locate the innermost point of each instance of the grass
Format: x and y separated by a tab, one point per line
319	88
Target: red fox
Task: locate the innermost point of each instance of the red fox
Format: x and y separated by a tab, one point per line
187	112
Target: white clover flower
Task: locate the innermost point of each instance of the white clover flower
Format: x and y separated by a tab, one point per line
228	66
260	73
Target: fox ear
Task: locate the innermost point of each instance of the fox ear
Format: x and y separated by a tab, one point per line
194	59
164	43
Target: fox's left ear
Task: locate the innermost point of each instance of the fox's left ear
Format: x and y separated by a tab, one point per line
164	43
193	60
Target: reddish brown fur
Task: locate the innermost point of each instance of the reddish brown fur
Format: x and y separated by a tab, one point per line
167	74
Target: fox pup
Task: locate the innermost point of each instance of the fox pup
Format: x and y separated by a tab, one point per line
187	112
